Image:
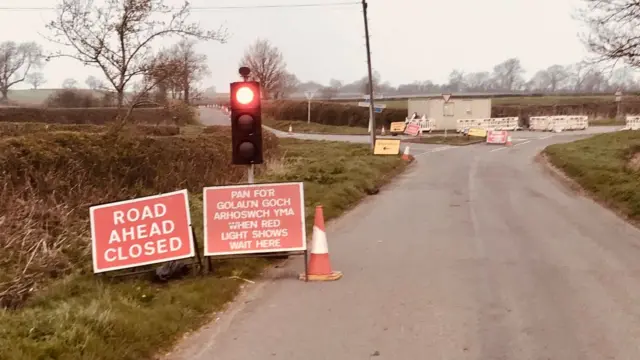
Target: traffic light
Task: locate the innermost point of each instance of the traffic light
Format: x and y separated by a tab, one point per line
246	123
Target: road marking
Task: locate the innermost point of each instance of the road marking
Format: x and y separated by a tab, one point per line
522	143
545	137
438	149
498	149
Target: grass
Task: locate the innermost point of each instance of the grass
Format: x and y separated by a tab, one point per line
459	140
314	128
603	165
82	316
607	122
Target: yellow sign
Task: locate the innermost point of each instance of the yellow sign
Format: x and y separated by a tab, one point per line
477	132
386	147
397	127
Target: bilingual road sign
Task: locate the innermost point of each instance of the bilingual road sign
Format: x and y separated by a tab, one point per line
377	108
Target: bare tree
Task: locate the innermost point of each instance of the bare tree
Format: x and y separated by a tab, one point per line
36	79
287	84
508	74
117	36
70	83
363	84
94	83
614	30
328	92
267	66
191	67
16	60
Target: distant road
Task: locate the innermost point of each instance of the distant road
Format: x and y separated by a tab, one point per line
473	253
212	116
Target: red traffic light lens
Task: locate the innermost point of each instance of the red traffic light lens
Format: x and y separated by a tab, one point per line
244	95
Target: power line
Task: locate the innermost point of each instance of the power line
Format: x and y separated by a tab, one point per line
211	8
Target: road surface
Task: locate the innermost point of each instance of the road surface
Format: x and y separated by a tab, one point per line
473	253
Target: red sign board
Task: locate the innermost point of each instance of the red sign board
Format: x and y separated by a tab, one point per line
260	218
412	129
141	231
497	137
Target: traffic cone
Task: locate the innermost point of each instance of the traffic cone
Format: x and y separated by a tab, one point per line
405	156
508	139
290	129
382	133
319	268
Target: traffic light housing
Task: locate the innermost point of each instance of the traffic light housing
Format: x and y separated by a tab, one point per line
246	123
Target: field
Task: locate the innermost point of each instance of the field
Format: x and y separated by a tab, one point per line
607	166
54	308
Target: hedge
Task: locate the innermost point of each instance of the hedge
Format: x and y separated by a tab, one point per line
51	179
96	116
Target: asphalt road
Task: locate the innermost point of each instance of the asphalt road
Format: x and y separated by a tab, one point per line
473	253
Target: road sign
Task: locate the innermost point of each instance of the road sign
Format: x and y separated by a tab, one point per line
309	94
377	107
497	137
386	147
261	218
446	97
412	129
477	132
397	127
618	96
141	231
376	96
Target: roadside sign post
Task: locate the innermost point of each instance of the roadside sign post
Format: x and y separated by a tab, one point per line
446	98
619	104
309	95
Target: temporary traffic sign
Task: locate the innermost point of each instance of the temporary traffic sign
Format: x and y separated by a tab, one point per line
141	231
497	137
386	147
412	129
397	126
261	218
446	97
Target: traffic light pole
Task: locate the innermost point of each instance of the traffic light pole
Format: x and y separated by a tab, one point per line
250	174
372	119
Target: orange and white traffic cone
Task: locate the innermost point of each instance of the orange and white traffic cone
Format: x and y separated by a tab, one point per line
509	139
405	156
382	133
290	129
319	268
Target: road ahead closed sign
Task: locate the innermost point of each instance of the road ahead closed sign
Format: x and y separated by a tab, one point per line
259	218
141	231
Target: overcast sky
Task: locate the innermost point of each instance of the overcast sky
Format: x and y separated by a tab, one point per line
410	39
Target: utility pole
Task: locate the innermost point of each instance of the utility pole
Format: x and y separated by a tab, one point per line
372	119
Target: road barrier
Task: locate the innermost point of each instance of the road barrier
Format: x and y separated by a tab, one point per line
632	123
505	123
426	125
558	123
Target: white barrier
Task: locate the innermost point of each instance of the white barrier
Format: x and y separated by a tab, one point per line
632	123
426	125
506	123
558	123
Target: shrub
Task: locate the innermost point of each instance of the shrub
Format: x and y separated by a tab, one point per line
173	115
50	180
329	113
19	129
72	98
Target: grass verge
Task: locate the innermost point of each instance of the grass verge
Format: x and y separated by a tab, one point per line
458	140
607	122
315	128
80	316
606	166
